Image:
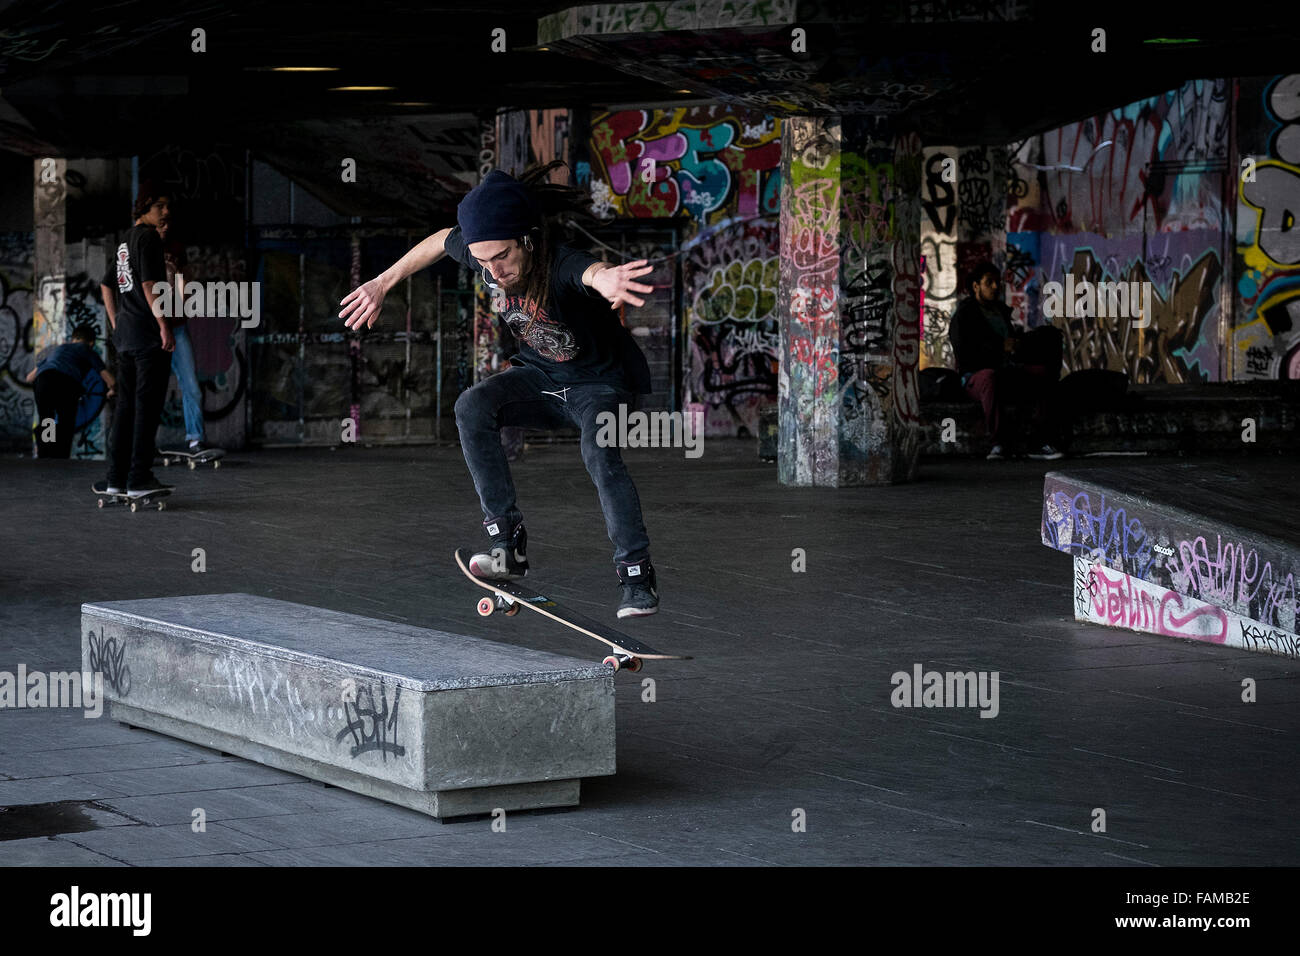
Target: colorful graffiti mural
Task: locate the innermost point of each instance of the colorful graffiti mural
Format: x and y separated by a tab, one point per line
718	169
734	347
1266	340
1182	342
1096	176
705	162
1135	194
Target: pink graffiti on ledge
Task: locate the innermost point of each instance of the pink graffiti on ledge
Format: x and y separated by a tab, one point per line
1128	602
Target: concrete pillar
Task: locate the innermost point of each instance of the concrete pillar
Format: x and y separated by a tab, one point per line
51	267
849	303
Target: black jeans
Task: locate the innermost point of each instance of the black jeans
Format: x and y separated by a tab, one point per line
142	378
56	397
526	396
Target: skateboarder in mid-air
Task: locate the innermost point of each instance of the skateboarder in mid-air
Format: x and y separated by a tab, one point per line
576	360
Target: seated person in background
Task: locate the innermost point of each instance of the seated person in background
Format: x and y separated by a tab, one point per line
1001	364
58	377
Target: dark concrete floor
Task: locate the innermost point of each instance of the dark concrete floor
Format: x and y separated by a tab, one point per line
786	707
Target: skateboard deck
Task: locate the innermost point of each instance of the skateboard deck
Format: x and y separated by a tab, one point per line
511	596
193	459
147	500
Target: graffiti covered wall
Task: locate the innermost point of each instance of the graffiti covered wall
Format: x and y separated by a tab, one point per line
1134	194
17	403
49	284
963	211
1266	340
717	169
731	318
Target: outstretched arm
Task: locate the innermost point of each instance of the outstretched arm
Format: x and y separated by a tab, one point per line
362	305
616	283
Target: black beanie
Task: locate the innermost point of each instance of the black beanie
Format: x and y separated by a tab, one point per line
500	207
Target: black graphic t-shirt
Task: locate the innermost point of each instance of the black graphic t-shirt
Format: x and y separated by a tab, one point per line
139	259
578	338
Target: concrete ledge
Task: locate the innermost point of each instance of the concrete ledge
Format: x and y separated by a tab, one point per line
1184	528
438	722
1116	599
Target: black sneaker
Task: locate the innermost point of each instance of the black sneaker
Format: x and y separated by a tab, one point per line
640	589
147	487
507	558
1045	453
106	487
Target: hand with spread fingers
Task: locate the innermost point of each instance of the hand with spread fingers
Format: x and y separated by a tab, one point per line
362	305
616	283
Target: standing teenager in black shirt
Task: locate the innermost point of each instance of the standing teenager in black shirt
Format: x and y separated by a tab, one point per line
144	347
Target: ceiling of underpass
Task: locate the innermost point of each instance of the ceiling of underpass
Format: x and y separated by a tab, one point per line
121	78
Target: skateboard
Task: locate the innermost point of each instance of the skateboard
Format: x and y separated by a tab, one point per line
170	455
510	597
136	503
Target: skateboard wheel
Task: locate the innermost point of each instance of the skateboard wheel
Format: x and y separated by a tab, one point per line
633	665
216	465
191	464
166	462
162	506
135	506
485	606
101	502
512	610
612	661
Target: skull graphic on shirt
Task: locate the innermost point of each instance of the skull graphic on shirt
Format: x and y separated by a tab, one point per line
542	334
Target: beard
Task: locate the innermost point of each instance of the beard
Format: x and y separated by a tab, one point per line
519	284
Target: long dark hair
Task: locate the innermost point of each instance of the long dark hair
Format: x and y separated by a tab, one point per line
559	206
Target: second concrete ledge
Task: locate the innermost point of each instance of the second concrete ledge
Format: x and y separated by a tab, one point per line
442	723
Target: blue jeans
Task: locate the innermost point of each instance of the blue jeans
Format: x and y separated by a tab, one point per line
519	396
187	377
